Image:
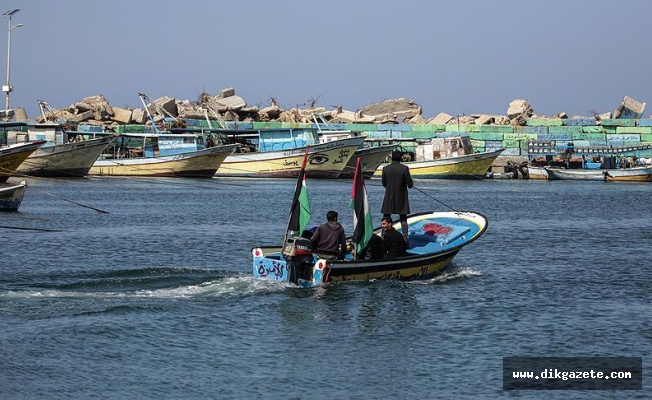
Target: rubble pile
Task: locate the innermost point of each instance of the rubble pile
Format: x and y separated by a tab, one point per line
228	106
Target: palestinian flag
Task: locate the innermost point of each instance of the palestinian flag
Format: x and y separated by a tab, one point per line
300	211
362	223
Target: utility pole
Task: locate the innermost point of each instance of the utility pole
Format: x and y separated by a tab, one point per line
8	88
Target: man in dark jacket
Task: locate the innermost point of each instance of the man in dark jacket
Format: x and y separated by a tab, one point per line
395	245
329	240
396	179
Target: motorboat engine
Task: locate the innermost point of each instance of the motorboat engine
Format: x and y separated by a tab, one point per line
298	254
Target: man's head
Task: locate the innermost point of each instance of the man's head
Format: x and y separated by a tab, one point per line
396	155
331	216
386	223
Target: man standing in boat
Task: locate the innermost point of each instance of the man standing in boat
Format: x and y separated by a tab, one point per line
396	180
329	240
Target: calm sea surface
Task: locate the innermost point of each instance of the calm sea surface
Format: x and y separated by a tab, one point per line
155	299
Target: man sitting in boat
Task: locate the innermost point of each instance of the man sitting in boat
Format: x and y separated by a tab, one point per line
329	240
395	245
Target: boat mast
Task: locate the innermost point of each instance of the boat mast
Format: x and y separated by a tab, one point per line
142	97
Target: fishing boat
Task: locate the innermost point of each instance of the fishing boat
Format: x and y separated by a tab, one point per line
152	152
277	152
568	160
63	154
633	174
448	158
537	172
11	195
371	153
11	156
325	160
71	159
161	155
371	157
435	238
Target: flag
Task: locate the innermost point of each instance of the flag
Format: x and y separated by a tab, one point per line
300	210
362	223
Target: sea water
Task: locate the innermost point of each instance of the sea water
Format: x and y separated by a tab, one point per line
142	289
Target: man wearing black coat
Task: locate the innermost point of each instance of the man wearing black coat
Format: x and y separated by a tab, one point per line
396	179
395	245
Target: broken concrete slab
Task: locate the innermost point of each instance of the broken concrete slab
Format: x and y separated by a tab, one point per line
350	117
82	116
121	115
390	110
519	110
484	120
441	119
417	120
167	104
138	116
629	109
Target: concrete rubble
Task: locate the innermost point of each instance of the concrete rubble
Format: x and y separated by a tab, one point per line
228	106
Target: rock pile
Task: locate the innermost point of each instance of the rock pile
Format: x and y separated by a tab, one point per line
228	106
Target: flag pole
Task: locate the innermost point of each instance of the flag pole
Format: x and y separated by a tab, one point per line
297	189
362	224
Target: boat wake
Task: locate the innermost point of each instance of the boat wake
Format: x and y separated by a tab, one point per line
158	282
164	283
450	274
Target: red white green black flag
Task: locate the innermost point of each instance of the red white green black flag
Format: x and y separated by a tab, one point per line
362	223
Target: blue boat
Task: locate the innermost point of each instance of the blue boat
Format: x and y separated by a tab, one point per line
434	239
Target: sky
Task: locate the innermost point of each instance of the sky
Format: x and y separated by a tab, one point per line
452	56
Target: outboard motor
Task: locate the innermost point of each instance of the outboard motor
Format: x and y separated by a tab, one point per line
298	253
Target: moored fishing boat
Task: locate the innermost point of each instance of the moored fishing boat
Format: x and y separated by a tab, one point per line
371	153
202	163
569	161
448	158
72	159
278	152
63	154
156	153
11	156
371	157
536	172
325	160
11	196
472	166
435	238
634	174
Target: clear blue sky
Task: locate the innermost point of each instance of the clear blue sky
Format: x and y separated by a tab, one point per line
453	56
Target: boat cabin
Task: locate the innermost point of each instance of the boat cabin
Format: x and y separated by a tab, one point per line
142	141
444	147
260	140
21	132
